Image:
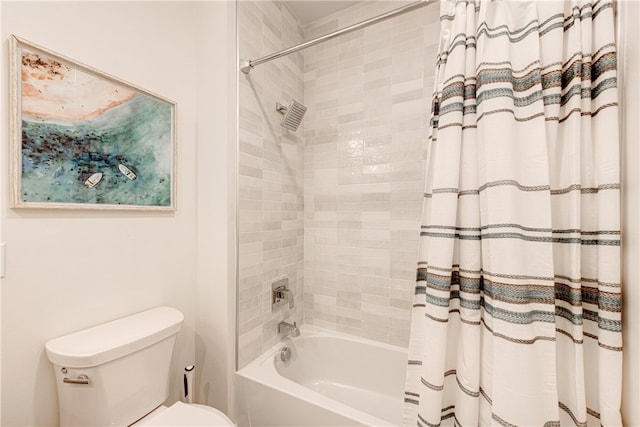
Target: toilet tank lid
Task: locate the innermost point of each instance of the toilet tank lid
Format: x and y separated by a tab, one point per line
109	341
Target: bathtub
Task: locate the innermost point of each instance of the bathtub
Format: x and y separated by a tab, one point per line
331	379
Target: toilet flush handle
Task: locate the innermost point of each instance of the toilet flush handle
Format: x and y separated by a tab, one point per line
82	379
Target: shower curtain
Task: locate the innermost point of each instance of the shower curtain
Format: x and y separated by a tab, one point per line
517	308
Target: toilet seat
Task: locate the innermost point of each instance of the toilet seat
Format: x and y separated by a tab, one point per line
186	415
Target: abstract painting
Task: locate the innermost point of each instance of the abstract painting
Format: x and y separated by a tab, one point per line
82	139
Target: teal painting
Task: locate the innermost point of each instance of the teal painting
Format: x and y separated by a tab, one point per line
84	139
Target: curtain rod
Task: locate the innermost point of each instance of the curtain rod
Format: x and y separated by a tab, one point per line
247	65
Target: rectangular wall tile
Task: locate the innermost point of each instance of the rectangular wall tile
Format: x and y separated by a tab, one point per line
335	206
380	103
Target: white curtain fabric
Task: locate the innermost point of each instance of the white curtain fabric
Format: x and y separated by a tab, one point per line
517	308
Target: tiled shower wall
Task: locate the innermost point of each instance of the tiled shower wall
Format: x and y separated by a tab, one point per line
335	206
270	198
369	98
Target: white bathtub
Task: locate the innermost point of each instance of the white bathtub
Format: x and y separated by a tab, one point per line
331	379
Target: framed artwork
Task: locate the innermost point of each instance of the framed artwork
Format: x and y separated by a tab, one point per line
82	139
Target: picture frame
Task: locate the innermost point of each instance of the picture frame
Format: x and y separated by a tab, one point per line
83	139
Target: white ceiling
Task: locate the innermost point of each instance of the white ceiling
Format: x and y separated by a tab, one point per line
310	10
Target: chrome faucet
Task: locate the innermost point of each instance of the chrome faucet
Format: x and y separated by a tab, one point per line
285	295
291	330
281	292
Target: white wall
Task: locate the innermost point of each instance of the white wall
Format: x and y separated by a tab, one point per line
629	54
2	204
216	159
68	270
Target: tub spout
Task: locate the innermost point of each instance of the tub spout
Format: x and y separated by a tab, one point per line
291	330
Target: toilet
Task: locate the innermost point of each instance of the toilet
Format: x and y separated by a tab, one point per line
117	374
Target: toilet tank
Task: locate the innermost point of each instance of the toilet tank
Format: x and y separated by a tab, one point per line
115	373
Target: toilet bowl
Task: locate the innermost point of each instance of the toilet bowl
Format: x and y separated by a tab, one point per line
118	374
185	415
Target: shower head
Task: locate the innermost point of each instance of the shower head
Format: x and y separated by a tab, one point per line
292	115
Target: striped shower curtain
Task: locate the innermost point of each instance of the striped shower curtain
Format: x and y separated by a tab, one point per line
517	310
